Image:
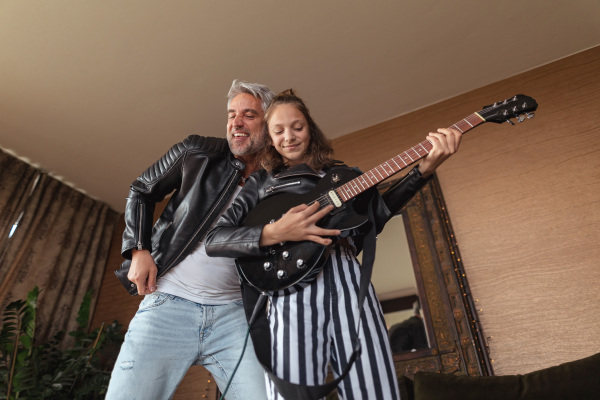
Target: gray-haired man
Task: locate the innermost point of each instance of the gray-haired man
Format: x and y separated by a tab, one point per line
192	313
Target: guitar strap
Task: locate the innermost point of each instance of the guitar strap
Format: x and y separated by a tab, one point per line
254	302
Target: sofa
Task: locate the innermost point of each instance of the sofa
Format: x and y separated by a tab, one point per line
576	380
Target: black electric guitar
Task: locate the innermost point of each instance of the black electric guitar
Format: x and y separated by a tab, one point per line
289	262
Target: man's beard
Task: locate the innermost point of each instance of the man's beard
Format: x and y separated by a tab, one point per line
252	147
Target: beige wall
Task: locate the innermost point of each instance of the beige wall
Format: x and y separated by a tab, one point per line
524	204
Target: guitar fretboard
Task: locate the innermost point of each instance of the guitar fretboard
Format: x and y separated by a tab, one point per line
394	165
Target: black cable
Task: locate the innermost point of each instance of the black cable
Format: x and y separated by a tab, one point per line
237	365
259	304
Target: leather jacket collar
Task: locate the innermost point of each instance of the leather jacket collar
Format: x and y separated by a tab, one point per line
296	170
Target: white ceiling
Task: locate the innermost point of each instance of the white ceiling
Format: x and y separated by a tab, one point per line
95	91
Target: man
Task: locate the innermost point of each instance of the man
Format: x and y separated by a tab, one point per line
192	312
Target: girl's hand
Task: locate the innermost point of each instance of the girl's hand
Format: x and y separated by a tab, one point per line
445	143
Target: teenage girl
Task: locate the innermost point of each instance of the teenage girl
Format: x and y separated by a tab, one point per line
315	322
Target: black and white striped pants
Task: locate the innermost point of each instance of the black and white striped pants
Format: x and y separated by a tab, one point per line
313	325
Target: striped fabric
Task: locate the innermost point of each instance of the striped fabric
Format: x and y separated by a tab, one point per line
313	326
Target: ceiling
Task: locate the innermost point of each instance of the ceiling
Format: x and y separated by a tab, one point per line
95	91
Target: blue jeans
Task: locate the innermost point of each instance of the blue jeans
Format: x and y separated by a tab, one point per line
169	334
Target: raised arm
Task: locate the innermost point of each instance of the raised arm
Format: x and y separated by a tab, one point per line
445	143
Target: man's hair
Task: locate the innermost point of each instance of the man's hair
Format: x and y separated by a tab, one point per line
261	92
319	151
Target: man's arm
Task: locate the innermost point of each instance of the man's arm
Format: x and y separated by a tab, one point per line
146	191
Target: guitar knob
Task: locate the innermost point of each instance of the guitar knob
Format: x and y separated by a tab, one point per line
300	264
281	274
286	255
267	266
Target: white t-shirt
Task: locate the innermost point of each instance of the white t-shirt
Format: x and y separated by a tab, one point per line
203	279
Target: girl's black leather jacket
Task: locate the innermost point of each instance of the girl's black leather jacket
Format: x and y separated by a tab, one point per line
230	239
202	174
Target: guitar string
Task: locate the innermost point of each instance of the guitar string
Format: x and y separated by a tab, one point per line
360	184
415	153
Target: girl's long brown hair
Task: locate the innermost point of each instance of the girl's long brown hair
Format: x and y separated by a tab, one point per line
319	152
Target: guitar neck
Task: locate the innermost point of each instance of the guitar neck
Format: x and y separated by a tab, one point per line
394	165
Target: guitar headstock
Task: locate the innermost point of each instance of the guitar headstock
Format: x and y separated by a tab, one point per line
519	106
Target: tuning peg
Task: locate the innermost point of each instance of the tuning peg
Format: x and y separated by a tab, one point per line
520	118
510	122
530	115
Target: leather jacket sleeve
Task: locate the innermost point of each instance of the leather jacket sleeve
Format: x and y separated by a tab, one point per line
396	197
229	238
151	187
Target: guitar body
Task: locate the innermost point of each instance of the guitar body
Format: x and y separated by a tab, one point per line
288	263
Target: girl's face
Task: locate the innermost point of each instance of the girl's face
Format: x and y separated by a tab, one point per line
289	133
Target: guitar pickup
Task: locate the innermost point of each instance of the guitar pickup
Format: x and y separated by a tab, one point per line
335	200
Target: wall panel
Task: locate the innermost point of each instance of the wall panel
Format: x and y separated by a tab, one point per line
523	201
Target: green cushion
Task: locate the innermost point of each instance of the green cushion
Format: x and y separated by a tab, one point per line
573	380
406	388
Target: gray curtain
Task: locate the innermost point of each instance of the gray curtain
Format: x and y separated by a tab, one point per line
60	244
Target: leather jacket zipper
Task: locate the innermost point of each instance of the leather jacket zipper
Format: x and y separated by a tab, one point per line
141	215
273	188
234	180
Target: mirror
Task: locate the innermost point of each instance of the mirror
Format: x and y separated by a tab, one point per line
418	249
396	286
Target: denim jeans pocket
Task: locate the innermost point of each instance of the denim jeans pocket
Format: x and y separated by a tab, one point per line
153	300
239	302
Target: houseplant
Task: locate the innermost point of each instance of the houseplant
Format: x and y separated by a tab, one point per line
31	370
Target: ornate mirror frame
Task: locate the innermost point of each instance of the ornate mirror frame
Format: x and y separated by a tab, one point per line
457	342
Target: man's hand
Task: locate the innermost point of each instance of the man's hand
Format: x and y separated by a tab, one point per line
143	271
299	224
445	143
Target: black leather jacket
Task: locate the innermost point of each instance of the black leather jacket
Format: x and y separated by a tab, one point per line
230	239
202	174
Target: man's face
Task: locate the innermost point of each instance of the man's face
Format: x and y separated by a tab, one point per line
245	123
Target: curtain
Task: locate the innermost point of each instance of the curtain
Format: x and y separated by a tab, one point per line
53	237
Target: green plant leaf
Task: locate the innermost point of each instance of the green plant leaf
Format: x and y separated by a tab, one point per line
46	371
83	315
